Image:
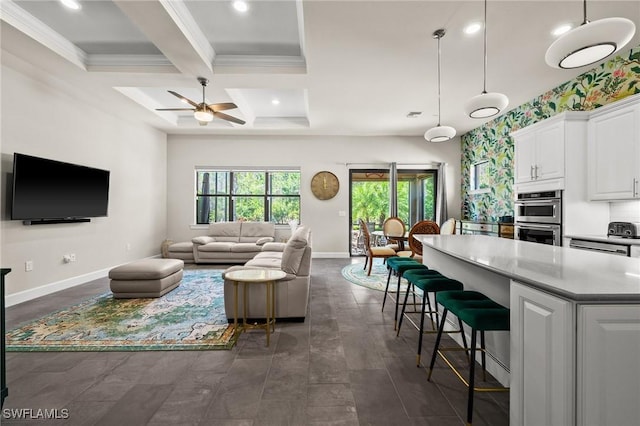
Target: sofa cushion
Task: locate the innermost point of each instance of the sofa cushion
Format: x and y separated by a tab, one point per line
225	231
217	246
277	247
245	247
250	232
294	250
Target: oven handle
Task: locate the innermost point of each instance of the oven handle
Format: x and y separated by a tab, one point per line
544	227
525	202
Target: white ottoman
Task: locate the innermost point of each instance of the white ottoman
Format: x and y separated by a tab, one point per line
145	278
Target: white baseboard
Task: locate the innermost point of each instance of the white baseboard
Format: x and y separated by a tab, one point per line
330	255
34	293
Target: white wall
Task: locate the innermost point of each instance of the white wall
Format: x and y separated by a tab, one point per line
625	211
69	131
311	154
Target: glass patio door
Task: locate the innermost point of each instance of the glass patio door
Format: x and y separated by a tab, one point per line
371	200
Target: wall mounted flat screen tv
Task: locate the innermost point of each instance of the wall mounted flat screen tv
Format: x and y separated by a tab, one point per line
49	191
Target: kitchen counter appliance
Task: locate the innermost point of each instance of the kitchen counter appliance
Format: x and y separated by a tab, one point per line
539	217
624	229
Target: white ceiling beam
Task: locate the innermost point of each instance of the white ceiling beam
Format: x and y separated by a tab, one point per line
171	28
18	18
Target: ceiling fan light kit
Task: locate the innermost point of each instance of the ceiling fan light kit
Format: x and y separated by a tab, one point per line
439	133
202	112
486	104
589	43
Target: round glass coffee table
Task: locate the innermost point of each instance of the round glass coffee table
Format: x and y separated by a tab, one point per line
255	276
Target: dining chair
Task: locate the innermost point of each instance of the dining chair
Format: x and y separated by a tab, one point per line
415	246
394	228
371	251
448	227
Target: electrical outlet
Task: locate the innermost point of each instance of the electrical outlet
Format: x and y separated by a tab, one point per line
72	256
28	265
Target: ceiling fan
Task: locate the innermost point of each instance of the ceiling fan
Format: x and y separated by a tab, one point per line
201	111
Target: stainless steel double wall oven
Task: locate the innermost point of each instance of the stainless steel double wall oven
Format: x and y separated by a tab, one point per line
539	217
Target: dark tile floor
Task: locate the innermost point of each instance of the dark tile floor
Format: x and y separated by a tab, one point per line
342	366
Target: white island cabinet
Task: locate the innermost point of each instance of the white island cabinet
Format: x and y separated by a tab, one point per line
573	356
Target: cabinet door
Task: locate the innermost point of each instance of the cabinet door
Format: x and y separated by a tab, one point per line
608	365
524	157
614	155
542	358
549	152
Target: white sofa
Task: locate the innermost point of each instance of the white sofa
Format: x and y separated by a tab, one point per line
291	292
231	242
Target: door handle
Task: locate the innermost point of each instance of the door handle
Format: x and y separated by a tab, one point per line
536	172
531	172
635	187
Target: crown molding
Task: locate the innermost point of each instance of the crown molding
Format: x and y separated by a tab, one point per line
291	64
17	17
130	63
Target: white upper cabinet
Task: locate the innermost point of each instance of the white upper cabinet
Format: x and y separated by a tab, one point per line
539	152
543	149
614	151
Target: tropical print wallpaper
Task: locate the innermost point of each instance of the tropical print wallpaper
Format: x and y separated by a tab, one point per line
607	83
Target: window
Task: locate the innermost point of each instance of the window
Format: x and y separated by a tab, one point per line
479	177
252	195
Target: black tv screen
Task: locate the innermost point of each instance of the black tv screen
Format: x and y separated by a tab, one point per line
48	189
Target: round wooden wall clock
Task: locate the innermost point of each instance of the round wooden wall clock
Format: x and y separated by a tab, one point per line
325	185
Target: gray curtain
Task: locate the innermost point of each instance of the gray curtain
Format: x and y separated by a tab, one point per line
442	212
393	190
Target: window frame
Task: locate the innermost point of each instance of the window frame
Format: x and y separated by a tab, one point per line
230	196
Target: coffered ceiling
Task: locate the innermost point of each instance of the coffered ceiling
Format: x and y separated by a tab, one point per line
293	67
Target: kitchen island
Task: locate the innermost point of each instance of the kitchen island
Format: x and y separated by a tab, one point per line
573	353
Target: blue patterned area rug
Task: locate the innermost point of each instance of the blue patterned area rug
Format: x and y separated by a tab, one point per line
376	281
191	317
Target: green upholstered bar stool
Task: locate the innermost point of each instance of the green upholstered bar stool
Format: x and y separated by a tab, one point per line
429	284
481	314
399	265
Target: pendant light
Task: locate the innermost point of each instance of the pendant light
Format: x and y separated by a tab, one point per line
439	133
589	43
486	104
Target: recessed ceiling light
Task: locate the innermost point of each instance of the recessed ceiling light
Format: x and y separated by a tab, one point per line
240	5
71	4
472	28
275	101
561	29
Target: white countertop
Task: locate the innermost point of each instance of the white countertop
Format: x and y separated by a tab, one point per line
607	239
574	274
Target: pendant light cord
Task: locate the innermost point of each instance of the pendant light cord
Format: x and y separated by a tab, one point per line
439	36
484	81
584	12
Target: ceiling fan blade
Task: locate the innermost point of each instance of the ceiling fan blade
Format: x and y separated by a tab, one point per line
175	109
222	106
187	100
228	117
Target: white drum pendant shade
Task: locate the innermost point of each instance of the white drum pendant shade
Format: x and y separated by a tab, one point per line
590	43
440	134
486	105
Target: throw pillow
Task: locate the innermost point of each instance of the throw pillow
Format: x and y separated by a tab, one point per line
203	240
294	250
264	240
